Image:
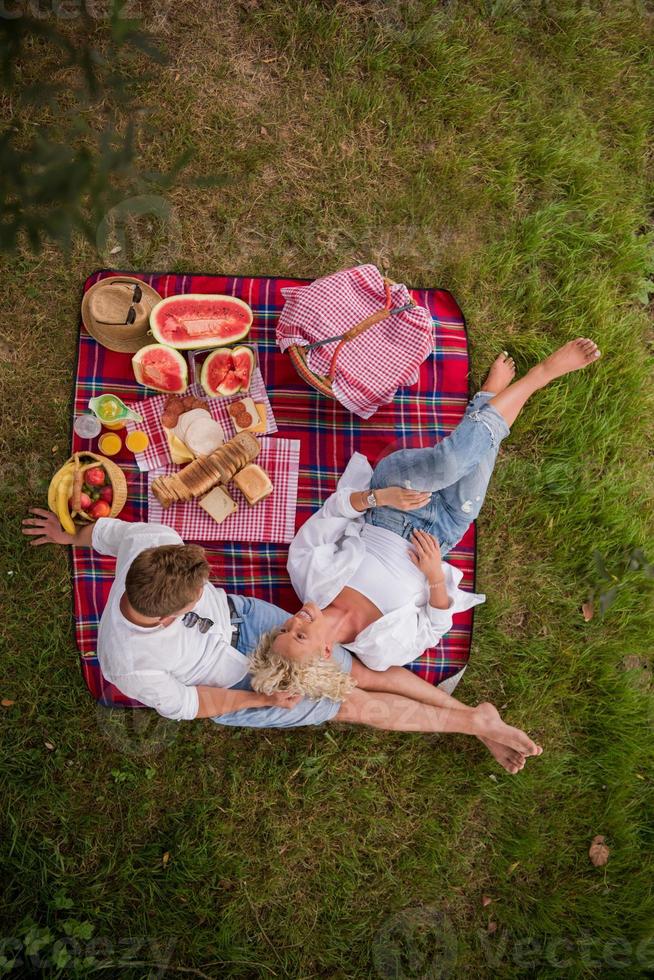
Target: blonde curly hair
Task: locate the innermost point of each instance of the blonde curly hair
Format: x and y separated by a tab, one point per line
270	672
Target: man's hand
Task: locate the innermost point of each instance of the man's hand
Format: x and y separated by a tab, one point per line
282	699
402	499
427	556
45	528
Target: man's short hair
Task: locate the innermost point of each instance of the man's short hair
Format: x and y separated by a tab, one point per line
161	581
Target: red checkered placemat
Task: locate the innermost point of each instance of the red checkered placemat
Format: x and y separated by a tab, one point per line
271	520
157	454
372	366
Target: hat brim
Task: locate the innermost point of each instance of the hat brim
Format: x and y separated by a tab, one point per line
109	336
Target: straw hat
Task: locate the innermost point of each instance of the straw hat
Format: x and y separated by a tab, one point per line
116	312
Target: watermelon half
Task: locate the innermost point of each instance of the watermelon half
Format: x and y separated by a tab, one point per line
193	321
226	371
160	367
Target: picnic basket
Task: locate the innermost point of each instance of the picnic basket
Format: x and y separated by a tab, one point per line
324	383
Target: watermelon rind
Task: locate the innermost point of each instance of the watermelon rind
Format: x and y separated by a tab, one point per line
166	308
174	355
249	353
222	352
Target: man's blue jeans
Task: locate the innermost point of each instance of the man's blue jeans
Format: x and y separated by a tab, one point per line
456	470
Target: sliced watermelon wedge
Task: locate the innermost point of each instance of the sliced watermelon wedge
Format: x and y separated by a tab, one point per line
160	367
243	365
197	321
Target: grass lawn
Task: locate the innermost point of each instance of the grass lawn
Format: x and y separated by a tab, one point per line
503	151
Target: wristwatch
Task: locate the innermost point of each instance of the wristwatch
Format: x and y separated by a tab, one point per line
371	500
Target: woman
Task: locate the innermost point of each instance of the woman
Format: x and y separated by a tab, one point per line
368	566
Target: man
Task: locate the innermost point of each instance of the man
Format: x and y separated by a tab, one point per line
179	644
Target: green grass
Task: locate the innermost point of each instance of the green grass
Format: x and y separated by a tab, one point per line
502	151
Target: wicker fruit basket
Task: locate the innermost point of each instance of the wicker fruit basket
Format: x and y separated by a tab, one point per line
115	476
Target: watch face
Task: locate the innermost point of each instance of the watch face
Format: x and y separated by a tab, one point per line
372	499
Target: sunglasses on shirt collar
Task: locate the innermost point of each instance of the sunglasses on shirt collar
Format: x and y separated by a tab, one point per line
191	619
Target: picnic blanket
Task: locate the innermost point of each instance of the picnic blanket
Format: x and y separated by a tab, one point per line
327	433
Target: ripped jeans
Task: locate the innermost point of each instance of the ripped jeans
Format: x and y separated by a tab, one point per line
456	470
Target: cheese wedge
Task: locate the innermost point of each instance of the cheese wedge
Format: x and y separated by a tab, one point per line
218	504
179	454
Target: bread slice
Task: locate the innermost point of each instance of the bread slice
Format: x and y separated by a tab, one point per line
248	443
218	504
254	483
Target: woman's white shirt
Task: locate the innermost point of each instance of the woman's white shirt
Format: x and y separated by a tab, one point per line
323	559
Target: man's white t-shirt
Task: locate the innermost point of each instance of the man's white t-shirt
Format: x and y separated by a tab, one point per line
161	665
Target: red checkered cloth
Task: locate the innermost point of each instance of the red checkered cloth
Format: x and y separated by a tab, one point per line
328	436
272	519
371	367
157	454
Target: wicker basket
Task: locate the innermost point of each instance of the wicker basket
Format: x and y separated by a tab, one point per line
116	477
323	384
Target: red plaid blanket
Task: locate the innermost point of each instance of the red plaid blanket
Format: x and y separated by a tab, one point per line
328	436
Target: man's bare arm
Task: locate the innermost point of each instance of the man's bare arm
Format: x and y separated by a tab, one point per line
221	700
45	528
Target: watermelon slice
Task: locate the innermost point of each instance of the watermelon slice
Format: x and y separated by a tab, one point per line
161	368
219	375
243	365
215	369
198	321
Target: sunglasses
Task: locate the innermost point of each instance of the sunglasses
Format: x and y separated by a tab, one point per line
192	619
136	298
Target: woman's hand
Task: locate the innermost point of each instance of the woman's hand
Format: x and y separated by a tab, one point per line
45	528
427	556
402	499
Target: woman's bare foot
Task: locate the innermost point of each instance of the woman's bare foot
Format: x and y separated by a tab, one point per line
501	374
488	725
508	758
572	356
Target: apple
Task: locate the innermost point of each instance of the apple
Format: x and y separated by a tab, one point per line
100	509
107	493
96	476
85	501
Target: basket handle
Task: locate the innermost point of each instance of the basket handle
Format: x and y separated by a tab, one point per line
364	325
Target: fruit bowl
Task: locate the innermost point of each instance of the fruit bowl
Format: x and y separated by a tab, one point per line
61	488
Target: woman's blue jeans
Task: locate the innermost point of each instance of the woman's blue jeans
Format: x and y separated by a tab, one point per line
456	470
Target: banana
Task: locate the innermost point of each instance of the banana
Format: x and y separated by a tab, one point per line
54	484
64	488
